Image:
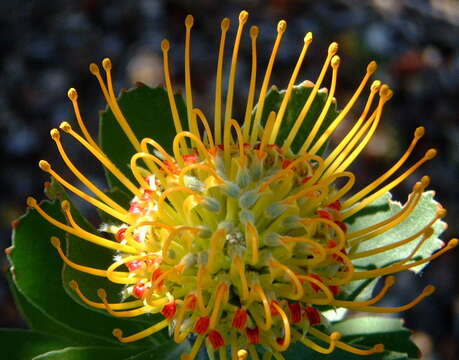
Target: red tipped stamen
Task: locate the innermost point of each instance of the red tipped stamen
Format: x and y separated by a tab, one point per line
121	234
253	335
201	325
313	315
216	339
240	319
169	310
295	312
139	290
134	265
324	214
314	286
190	302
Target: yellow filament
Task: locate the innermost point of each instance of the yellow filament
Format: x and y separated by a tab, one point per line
73	96
428	290
200	115
31	202
243	16
254	31
45	166
138	175
174	233
102	158
388	283
320	335
222	353
170	93
267	130
233	344
113	275
367	189
307	143
430	154
189	96
281	27
119	306
392	269
142	334
227	141
127	313
350	135
310	190
371	68
349	184
318	249
338	231
267	355
166	193
287	334
348	273
94	69
288	92
385	94
55	135
113	103
268	319
199	285
332	49
215	242
176	147
240	268
252	236
203	167
219	300
218	82
318	301
295	281
177	268
334	337
242	354
178	338
86	269
147	141
253	352
277	356
194	350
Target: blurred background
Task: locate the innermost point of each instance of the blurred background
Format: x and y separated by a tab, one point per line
47	46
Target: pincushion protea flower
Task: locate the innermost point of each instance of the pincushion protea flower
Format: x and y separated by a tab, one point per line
236	238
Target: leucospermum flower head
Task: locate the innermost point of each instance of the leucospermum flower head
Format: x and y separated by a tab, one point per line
240	236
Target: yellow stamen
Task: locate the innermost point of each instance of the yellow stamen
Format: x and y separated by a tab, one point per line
254	31
242	354
140	177
338	231
203	167
113	275
295	281
318	250
332	49
128	313
31	202
253	352
55	135
371	68
189	21
173	235
227	141
199	287
243	16
200	115
170	93
252	236
94	69
287	334
215	242
222	292
147	141
429	155
335	61
334	337
120	306
240	269
268	319
73	96
113	103
318	300
194	350
142	334
320	335
197	142
288	92
267	131
102	158
45	166
281	27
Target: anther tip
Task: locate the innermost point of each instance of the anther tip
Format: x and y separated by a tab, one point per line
335	61
441	212
65	126
44	165
372	67
117	333
378	348
225	24
55	242
308	37
242	354
375	85
31	202
72	94
453	243
73	284
428	290
107	64
243	16
93	68
431	153
165	46
390	280
189	20
65	205
425	181
54	134
419	132
333	48
102	294
335	336
282	26
254	31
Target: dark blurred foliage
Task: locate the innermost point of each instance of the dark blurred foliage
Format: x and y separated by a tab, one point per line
47	47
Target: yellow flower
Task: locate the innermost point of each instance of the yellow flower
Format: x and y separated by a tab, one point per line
232	237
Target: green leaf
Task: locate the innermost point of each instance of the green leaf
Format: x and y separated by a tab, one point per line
19	344
36	272
378	211
147	111
168	351
87	353
295	104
